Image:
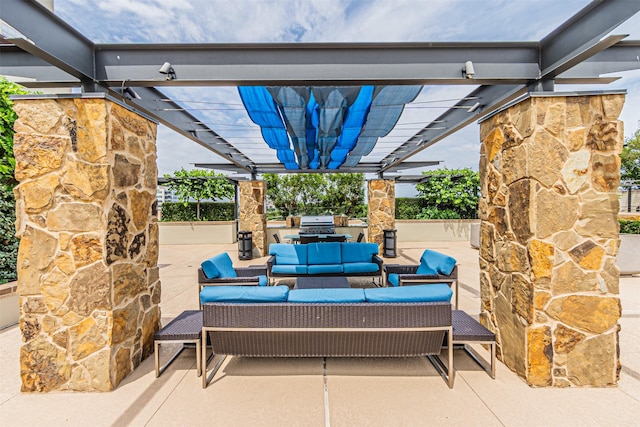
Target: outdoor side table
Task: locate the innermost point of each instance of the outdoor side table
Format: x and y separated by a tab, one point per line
185	329
467	330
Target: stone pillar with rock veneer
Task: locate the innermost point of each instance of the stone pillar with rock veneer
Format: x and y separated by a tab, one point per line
550	170
253	215
381	209
87	264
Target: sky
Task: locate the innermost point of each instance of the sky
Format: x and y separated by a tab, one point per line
219	21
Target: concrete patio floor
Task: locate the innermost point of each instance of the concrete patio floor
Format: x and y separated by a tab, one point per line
347	392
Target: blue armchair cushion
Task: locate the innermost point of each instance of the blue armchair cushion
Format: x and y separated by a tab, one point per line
324	253
289	269
420	293
360	267
329	295
244	294
393	279
218	266
358	252
433	262
289	254
325	268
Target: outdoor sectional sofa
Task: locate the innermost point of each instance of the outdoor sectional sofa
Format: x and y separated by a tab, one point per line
375	322
324	259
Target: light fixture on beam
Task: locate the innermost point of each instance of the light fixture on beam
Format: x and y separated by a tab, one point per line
468	71
168	70
474	107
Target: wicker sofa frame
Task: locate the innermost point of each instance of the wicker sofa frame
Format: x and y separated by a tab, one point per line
407	276
328	330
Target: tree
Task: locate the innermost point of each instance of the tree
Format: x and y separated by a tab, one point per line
295	194
7	118
630	159
450	190
344	193
199	184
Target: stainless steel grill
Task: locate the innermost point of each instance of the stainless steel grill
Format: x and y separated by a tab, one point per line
321	224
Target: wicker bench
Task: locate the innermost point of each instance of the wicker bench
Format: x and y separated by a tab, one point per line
185	329
328	330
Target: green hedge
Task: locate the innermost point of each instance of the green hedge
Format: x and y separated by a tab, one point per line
629	226
209	211
8	242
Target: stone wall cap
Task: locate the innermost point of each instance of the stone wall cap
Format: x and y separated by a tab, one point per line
86	95
549	94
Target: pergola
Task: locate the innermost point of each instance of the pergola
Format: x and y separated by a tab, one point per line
86	163
580	51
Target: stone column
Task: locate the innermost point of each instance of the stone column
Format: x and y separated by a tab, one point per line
550	169
253	215
87	263
382	209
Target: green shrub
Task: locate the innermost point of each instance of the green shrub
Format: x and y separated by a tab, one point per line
208	211
629	226
435	213
409	208
8	242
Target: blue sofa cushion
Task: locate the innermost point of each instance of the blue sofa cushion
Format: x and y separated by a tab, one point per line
393	279
358	252
262	280
289	269
329	295
325	269
420	293
360	267
289	254
323	253
432	262
244	294
218	266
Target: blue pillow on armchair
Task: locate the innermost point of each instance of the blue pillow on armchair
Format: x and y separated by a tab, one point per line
218	266
433	262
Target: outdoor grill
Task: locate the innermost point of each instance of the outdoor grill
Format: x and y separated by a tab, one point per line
321	224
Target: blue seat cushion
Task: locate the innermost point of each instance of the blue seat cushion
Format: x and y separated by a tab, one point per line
360	267
218	266
289	269
393	279
324	253
358	252
420	293
433	262
325	268
289	254
329	295
262	280
244	294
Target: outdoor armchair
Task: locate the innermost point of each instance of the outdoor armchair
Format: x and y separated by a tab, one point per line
434	267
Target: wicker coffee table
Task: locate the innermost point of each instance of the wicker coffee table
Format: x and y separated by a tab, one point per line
321	282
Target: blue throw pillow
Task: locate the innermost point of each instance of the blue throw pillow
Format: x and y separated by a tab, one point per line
218	266
244	294
393	279
437	292
327	295
433	262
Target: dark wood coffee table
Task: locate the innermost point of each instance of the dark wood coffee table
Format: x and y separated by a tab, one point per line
321	282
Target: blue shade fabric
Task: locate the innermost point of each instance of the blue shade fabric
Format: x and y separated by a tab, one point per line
263	111
325	127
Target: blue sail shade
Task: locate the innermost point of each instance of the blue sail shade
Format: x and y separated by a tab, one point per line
325	127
